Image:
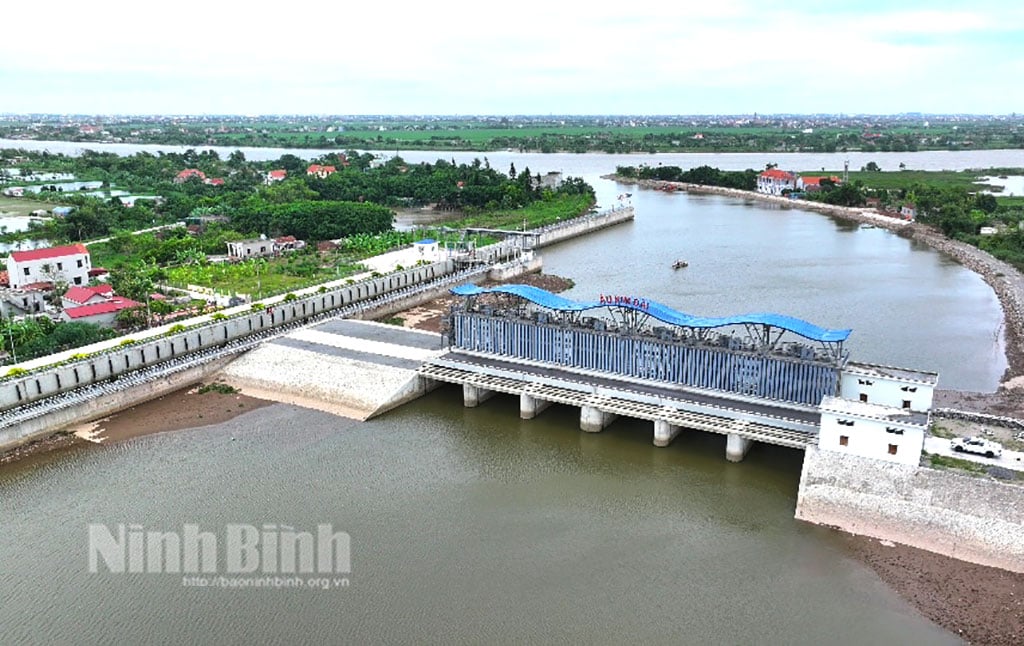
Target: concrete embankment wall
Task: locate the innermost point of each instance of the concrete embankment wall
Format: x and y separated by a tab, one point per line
583	225
974	519
106	405
121	359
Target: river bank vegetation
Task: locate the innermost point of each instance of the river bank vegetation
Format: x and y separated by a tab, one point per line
341	206
954	202
548	134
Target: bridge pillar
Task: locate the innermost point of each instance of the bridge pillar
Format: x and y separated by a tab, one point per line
530	406
664	432
474	395
736	447
593	420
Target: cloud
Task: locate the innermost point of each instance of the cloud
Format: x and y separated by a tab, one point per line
523	56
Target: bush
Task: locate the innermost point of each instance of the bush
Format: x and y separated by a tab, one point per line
16	372
218	316
127	342
257	307
175	329
290	296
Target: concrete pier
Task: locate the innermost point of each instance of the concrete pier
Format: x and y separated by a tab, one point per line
664	432
473	396
593	420
736	447
530	407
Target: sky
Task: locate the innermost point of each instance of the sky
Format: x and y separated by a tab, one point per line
512	57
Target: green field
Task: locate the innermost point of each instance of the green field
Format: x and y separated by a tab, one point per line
22	205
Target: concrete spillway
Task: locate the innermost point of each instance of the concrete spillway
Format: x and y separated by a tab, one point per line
357	369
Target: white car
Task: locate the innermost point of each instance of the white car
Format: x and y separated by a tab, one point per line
978	445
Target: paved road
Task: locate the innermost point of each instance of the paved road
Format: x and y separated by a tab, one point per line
941	446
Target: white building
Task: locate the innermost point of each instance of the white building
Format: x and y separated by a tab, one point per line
881	412
888	386
69	265
872	430
773	181
21	302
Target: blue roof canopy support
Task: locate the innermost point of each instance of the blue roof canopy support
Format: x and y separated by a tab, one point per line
661	312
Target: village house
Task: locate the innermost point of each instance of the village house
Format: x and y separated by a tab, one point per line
103	313
78	296
813	184
261	247
69	264
773	181
21	302
188	174
320	171
275	176
908	211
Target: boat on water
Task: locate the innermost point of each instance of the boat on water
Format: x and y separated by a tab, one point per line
680	264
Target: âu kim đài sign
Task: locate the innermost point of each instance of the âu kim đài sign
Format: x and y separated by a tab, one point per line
628	301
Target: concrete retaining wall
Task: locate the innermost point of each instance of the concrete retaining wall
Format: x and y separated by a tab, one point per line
979	418
576	227
974	519
106	405
121	359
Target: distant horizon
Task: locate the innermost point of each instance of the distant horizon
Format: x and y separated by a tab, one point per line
467	115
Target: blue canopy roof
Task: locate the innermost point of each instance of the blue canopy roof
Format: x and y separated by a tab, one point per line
661	312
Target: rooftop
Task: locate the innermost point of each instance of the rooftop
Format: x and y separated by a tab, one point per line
865	410
49	252
661	312
891	372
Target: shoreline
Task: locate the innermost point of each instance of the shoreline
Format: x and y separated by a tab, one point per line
1005	280
181	409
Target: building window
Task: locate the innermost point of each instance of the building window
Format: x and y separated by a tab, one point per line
892	449
864	397
79	263
844	440
78	280
60	266
906	404
26	271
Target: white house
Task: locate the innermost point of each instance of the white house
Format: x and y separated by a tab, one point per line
20	302
888	386
773	181
69	264
872	430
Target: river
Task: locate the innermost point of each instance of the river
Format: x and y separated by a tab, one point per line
470	525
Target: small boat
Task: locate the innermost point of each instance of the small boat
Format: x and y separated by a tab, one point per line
680	264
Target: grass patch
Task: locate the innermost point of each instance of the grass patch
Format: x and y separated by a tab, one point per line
217	387
394	320
945	462
942	431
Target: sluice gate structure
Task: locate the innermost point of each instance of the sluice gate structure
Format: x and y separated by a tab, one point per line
757	377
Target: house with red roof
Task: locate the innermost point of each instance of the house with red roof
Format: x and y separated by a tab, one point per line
68	264
188	174
103	313
214	181
320	171
275	176
773	181
85	295
812	184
